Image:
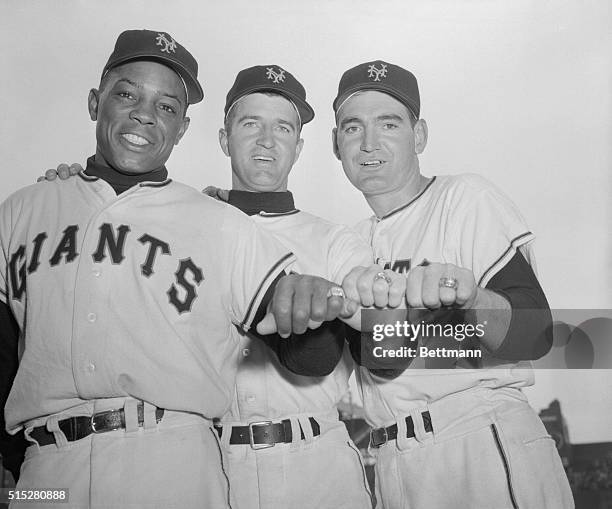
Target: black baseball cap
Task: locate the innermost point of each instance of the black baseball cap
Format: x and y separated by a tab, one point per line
384	77
270	78
162	47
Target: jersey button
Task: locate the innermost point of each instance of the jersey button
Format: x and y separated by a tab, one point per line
251	398
96	272
91	367
91	317
246	352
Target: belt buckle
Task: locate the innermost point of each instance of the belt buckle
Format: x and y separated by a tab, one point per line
252	439
385	437
109	420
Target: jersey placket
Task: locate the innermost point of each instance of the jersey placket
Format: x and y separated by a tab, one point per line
95	289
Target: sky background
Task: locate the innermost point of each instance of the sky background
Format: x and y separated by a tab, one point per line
519	91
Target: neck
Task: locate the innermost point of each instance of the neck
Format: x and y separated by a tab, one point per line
382	204
239	185
119	181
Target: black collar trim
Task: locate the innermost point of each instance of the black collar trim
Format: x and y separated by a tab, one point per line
268	202
399	209
276	214
88	178
155	184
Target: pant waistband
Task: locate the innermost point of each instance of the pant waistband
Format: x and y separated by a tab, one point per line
138	414
381	436
265	434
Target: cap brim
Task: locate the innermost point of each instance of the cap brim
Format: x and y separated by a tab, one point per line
405	100
194	90
306	112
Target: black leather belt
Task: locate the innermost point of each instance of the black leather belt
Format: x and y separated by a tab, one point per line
381	436
264	434
79	427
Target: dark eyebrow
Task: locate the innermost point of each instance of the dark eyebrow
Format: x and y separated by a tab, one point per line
138	85
391	116
287	122
133	83
258	117
349	120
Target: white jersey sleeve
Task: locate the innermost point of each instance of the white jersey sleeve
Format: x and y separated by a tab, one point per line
347	250
485	228
252	271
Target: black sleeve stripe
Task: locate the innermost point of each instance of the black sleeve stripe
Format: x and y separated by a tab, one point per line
266	278
512	246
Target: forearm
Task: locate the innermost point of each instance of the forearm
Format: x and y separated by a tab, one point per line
528	320
494	312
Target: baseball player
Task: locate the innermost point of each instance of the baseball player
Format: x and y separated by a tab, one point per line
282	424
285	445
128	312
463	437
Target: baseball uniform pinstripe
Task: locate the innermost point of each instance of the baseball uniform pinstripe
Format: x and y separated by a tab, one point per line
119	300
486	441
305	473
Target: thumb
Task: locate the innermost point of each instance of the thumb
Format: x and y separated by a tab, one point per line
223	194
267	325
210	191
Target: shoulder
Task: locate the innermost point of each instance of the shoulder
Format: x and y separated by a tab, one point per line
36	194
364	226
326	228
470	183
467	190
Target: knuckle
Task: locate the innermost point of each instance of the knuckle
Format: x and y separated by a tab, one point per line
363	285
300	315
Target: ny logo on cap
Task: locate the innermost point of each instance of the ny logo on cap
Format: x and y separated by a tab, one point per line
278	77
377	74
168	45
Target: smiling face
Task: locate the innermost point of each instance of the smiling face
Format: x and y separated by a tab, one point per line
262	138
140	116
378	145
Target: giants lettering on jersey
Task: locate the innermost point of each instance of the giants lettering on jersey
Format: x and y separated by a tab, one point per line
111	243
399	266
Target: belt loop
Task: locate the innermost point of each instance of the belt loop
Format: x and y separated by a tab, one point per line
130	410
296	433
307	429
419	426
150	420
402	441
26	432
52	425
226	434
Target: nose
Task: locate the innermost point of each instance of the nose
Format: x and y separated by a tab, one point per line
266	138
369	141
143	112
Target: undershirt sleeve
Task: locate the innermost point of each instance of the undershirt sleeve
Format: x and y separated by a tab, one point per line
314	353
12	447
530	333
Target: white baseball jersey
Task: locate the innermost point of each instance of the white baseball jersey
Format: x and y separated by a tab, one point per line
131	295
265	389
465	221
311	470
